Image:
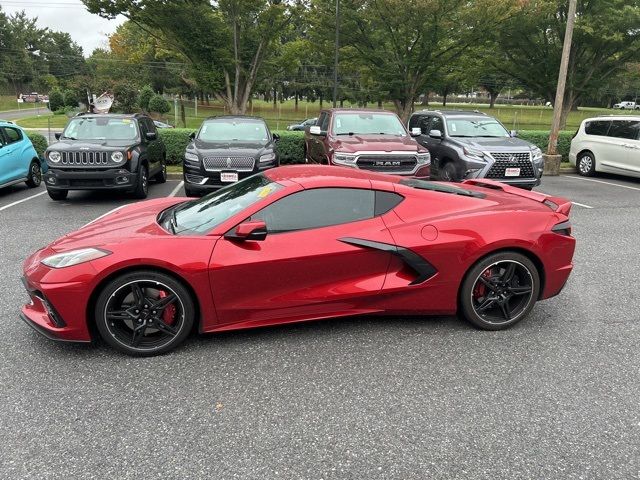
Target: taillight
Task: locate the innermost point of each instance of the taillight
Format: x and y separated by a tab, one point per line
563	228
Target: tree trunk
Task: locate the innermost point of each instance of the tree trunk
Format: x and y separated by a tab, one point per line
492	99
296	107
275	98
380	104
425	99
444	99
341	102
183	117
321	100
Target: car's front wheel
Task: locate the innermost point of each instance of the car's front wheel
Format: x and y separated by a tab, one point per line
448	173
144	313
161	177
499	290
142	186
586	164
58	194
35	175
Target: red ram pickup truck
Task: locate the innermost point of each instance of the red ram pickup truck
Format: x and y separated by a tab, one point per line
373	140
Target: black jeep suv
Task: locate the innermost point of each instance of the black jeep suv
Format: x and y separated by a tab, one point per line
106	151
470	144
227	149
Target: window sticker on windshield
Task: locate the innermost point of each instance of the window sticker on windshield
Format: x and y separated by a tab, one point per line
265	191
453	127
125	120
338	123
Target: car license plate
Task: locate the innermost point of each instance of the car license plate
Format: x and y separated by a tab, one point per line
229	177
512	172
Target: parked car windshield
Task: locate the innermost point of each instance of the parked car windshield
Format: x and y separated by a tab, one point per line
201	215
97	128
474	127
233	131
367	124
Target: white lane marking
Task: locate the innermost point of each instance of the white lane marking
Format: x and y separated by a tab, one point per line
23	200
575	203
602	181
175	190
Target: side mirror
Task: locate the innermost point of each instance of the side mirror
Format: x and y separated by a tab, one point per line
513	133
192	135
416	132
57	135
151	135
249	230
276	137
435	134
316	130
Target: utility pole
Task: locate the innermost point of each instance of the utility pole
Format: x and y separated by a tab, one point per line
335	66
552	148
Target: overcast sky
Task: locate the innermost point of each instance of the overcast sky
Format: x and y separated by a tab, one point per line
88	30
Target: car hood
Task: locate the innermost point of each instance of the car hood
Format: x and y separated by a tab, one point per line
231	148
93	145
124	223
510	144
378	143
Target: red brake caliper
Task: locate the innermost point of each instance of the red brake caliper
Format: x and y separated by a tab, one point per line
480	290
168	316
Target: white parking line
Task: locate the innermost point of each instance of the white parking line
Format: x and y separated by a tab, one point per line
23	200
602	181
176	190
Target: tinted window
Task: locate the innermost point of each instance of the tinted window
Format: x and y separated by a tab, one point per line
367	123
324	122
414	121
597	127
233	130
386	201
12	134
101	128
475	127
317	208
437	124
624	129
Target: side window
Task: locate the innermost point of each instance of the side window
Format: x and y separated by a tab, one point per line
437	124
321	119
142	125
597	127
424	125
151	127
324	125
414	121
624	129
320	207
12	134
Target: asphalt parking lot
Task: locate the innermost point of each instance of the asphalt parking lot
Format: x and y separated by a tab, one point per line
555	397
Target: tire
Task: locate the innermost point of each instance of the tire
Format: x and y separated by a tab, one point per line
189	192
161	177
142	185
35	175
586	164
144	313
58	194
493	297
448	172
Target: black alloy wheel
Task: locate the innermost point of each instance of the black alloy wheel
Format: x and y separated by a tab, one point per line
448	172
35	175
142	186
500	290
144	313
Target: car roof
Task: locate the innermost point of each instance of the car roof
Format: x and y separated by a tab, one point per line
325	175
111	115
234	117
613	117
358	110
453	113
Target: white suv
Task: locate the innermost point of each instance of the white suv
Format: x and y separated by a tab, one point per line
627	106
607	144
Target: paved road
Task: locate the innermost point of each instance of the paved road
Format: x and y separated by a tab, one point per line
370	398
25	111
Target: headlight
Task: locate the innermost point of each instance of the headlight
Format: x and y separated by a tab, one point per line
191	157
536	153
54	157
269	157
117	157
74	257
345	159
424	158
472	152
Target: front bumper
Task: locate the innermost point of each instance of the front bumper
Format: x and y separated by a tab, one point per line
523	182
109	179
200	181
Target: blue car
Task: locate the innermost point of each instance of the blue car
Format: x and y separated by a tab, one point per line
19	161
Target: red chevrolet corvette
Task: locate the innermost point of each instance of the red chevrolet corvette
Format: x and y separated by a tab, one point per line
300	243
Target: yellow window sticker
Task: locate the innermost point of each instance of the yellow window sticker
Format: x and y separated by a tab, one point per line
265	191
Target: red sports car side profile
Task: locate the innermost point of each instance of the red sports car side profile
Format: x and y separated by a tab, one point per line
301	243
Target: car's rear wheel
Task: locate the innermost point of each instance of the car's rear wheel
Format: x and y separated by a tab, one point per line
190	192
586	164
144	313
142	186
161	177
448	172
58	194
499	290
35	175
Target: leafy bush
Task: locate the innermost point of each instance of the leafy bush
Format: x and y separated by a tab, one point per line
540	138
145	95
159	104
176	141
291	147
65	110
56	100
125	99
70	98
39	141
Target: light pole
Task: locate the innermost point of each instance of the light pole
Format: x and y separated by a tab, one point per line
337	53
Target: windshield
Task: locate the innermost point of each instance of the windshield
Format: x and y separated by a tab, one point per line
201	215
96	128
233	131
367	123
475	127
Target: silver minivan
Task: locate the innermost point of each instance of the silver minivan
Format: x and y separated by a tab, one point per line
607	144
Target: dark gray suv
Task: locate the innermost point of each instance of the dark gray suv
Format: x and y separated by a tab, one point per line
470	144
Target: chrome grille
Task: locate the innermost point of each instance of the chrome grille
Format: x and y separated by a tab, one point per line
84	158
504	160
238	164
387	163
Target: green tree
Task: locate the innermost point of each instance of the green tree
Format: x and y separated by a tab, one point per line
56	100
144	96
159	104
70	98
125	99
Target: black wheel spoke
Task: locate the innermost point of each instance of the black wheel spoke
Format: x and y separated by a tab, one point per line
164	328
508	273
506	311
119	315
137	294
488	284
165	302
487	302
138	333
519	290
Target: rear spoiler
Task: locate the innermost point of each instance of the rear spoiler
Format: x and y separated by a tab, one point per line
557	204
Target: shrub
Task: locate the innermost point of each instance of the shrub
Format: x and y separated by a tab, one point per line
176	141
56	100
540	138
70	98
39	142
125	99
145	95
159	104
291	147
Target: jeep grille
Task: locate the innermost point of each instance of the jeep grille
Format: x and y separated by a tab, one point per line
84	158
